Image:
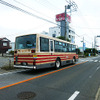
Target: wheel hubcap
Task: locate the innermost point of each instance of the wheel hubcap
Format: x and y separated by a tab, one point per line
58	64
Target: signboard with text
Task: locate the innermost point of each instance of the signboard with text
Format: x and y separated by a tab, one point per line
61	17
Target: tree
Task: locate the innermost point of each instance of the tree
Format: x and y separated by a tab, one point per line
63	38
92	51
78	51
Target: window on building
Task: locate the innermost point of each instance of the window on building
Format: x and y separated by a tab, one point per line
5	44
53	35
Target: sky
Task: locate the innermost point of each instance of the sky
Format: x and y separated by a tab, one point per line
85	20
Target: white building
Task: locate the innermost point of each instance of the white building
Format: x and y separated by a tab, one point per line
56	31
45	33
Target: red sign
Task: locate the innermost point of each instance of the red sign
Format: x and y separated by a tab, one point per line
61	17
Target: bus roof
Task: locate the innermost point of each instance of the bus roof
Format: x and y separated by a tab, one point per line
46	36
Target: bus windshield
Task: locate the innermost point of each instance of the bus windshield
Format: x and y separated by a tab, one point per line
26	42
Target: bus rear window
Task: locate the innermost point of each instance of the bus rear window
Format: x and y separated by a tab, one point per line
25	42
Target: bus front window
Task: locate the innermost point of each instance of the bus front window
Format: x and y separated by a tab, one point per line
25	42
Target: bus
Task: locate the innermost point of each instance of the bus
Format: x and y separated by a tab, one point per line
37	51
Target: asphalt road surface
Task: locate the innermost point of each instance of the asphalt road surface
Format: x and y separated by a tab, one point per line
72	82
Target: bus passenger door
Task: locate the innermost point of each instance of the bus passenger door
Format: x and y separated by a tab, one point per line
51	46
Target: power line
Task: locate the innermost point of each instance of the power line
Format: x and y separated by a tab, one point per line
31	8
24	11
46	5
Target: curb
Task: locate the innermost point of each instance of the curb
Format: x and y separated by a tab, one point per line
98	94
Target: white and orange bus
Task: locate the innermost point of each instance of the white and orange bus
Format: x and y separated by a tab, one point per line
38	51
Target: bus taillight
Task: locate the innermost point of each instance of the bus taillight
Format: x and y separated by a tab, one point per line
32	51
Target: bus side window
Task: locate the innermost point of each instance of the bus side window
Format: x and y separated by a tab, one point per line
56	46
64	49
44	44
67	47
73	48
60	47
70	47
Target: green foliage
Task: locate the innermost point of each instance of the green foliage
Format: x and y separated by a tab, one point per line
90	51
63	38
78	51
11	52
7	67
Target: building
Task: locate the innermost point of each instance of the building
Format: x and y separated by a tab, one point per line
4	45
97	43
54	31
12	45
57	31
45	33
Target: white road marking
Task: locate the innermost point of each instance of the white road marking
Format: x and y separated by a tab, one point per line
98	68
12	72
90	60
74	95
97	95
95	60
82	60
94	72
90	76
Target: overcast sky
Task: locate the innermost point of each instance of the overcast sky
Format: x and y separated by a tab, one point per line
85	21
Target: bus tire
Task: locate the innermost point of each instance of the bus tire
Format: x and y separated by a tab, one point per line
57	64
74	60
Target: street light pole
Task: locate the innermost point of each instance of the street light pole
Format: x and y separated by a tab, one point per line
83	46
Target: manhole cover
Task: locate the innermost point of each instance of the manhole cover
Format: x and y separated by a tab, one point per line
26	95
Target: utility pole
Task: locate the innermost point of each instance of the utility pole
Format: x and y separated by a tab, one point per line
66	24
72	7
92	48
83	46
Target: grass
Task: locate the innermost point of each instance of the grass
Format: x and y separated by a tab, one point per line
8	67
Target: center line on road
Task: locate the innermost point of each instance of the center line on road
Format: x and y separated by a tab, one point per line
74	95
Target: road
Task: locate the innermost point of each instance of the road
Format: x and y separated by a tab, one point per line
73	82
